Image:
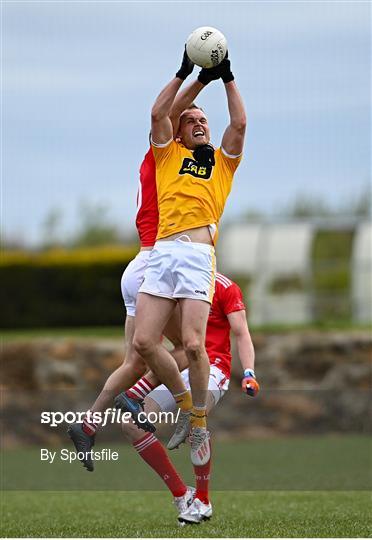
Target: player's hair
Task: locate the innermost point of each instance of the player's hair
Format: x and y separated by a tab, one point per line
194	106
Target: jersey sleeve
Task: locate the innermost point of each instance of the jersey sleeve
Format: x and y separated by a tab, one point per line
231	163
232	299
163	151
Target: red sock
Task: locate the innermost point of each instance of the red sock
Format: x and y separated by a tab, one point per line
152	451
140	389
202	476
88	426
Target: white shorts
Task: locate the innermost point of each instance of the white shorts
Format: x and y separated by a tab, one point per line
132	279
218	385
179	269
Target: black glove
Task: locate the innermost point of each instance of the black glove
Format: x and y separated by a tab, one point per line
186	67
222	71
204	154
226	73
206	75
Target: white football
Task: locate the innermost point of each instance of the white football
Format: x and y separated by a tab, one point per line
206	47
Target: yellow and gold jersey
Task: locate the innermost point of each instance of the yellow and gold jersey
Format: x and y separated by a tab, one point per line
190	195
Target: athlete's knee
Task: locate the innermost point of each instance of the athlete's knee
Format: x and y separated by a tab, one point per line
143	345
194	347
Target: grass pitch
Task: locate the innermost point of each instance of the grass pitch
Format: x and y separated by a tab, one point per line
285	464
289	470
151	514
112	332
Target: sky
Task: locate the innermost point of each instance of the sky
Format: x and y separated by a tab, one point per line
79	79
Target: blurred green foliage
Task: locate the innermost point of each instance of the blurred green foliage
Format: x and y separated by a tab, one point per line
63	288
81	287
73	257
331	258
286	284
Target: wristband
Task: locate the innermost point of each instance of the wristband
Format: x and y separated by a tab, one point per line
249	373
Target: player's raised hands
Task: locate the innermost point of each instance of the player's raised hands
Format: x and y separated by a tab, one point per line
222	71
250	385
186	67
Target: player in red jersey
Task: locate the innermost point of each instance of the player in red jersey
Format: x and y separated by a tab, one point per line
147	218
227	314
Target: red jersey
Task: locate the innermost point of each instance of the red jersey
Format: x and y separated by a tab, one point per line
147	218
227	299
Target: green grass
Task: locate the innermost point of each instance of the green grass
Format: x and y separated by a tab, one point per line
89	332
151	514
94	332
298	464
282	475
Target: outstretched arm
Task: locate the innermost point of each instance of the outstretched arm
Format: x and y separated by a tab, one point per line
233	138
239	327
161	125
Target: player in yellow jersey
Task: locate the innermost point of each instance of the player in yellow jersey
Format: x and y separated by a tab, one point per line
193	182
